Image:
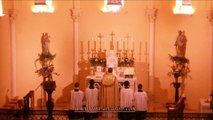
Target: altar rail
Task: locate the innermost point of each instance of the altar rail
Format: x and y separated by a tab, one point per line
69	115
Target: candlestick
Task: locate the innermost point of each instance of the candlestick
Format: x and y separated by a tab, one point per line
88	46
82	48
117	45
124	45
95	45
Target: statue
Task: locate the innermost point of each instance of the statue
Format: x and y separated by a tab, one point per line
180	44
45	43
112	60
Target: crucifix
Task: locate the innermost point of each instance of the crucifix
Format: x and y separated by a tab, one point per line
99	37
111	42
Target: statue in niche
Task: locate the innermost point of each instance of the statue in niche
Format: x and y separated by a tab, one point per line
45	43
180	44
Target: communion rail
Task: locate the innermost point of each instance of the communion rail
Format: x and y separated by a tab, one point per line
6	114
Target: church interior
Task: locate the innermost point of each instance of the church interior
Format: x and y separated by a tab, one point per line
143	31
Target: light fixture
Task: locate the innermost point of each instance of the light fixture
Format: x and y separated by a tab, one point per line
43	6
112	6
183	7
1	9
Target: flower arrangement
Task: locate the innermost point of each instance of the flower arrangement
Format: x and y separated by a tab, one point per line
180	66
47	68
98	61
126	62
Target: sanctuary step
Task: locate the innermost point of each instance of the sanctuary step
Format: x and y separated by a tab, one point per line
14	103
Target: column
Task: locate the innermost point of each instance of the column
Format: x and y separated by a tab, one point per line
75	14
210	18
152	14
12	15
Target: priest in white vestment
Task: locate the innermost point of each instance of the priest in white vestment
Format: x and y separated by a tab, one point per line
141	99
76	98
126	96
91	96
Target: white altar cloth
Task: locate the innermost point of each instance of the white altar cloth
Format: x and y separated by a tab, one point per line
132	81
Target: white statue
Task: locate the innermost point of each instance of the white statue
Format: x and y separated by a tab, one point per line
45	43
112	60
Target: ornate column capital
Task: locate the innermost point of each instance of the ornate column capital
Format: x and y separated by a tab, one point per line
209	16
12	14
75	13
152	14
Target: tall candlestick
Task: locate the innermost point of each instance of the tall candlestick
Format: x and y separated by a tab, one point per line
82	47
95	45
124	45
117	45
88	46
92	43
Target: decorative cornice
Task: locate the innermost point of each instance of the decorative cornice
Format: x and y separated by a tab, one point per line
75	13
12	15
152	14
210	16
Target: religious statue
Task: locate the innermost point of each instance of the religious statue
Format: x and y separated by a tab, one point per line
181	44
112	60
45	43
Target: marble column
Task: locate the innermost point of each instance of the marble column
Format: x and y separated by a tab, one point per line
152	14
75	14
12	15
210	18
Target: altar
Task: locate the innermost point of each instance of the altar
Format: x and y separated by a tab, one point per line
121	61
98	79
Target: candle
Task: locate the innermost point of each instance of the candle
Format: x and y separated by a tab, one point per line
140	47
88	46
82	48
95	45
120	45
117	45
92	43
124	45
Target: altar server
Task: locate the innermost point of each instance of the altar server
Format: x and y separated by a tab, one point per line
126	96
141	100
91	96
76	97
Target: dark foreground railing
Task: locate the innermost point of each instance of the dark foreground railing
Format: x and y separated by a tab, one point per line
73	115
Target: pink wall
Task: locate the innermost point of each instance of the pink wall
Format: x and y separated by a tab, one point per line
59	25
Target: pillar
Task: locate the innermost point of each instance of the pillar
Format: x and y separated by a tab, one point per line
12	15
75	14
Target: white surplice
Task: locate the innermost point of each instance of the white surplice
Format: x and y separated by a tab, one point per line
141	99
91	96
76	99
126	98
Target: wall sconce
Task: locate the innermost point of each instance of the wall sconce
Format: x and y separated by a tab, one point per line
112	6
1	9
183	7
43	6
